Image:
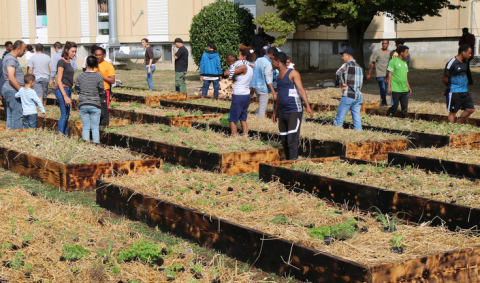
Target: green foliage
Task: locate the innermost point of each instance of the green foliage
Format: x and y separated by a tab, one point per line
74	252
319	232
18	261
270	22
199	113
397	241
170	114
388	220
245	207
280	220
144	250
226	24
340	231
224	121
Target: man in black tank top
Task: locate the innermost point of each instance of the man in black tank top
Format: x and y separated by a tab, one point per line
288	107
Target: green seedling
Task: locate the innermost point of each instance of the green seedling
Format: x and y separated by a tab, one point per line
74	252
144	250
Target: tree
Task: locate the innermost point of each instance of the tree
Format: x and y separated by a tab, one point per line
356	15
270	22
224	23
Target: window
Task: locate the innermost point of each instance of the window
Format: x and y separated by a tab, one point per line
338	46
102	17
41	19
41	7
167	53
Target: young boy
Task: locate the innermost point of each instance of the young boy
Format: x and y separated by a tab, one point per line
289	63
231	61
30	101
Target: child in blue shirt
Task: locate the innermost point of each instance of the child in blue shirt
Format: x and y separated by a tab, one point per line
30	101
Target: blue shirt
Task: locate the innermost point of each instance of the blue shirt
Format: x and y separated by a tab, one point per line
457	75
262	74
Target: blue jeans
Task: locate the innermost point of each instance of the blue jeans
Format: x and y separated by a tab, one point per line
150	76
383	89
13	109
206	86
347	103
63	121
30	121
90	116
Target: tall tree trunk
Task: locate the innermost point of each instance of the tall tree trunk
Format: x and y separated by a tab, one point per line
356	34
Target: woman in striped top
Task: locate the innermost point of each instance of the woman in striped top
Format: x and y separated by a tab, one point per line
90	86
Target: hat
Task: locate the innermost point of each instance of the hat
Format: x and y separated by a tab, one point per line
349	51
178	39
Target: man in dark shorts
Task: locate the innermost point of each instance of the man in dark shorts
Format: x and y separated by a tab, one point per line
288	107
455	78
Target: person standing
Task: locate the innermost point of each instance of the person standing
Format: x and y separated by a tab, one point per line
8	48
181	66
30	101
350	78
148	63
92	53
58	55
90	85
258	42
210	70
455	78
289	109
39	65
13	81
380	61
398	84
63	91
107	71
262	80
468	38
2	98
241	93
29	53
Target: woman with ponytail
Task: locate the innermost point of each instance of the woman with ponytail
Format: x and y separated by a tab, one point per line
90	86
63	91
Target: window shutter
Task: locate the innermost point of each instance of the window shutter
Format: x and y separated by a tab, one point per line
157	20
24	20
84	18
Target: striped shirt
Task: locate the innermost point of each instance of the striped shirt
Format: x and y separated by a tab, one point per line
351	74
30	101
237	64
90	86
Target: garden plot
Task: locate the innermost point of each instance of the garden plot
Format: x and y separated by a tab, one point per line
290	233
321	140
430	111
141	113
66	163
44	241
144	96
206	105
414	193
421	133
453	161
193	147
3	125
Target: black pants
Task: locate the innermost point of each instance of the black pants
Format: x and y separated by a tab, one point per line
289	126
105	102
397	97
469	74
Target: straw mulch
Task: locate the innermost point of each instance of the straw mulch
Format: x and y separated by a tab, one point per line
422	126
54	113
62	149
210	102
438	108
145	93
254	204
34	231
194	138
471	156
408	180
311	130
154	110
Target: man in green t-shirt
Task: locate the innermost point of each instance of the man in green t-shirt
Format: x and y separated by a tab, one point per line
398	85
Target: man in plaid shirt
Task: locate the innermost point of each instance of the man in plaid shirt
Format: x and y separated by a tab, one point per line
350	77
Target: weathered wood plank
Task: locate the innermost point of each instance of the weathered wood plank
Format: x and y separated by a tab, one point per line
147	100
435	165
418	209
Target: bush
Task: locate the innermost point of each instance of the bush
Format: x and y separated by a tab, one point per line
226	24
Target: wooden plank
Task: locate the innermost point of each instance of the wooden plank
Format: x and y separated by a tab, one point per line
373	111
466	141
418	209
235	163
232	239
195	107
69	177
435	165
269	253
147	100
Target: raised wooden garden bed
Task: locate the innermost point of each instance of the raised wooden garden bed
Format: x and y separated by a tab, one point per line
417	206
144	96
242	234
75	127
166	116
188	104
420	133
232	162
52	242
366	149
67	175
455	162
